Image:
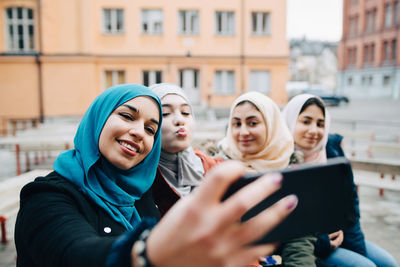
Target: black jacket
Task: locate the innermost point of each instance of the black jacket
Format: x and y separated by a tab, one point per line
353	236
57	225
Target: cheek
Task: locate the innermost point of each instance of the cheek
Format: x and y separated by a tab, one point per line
149	145
235	133
166	127
298	132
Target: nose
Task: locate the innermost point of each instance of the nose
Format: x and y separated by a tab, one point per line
178	119
313	128
137	130
243	129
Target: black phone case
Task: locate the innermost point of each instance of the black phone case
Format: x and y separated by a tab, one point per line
325	200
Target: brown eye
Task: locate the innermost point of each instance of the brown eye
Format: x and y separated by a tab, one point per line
126	116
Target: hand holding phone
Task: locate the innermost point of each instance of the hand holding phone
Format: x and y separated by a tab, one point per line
324	193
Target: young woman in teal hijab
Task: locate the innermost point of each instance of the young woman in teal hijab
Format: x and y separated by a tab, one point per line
86	212
113	189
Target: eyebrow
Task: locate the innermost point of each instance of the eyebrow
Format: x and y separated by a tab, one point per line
248	118
170	106
135	110
310	118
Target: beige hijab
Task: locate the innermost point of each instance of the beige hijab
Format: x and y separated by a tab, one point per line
279	144
290	114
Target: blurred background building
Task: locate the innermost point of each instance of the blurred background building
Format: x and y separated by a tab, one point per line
368	59
313	65
57	55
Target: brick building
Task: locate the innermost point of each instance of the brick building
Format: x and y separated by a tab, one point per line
368	58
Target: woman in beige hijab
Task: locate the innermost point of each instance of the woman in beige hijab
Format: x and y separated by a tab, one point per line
256	134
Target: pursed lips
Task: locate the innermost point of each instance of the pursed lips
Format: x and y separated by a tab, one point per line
181	132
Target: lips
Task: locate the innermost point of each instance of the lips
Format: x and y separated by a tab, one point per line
129	147
181	132
245	142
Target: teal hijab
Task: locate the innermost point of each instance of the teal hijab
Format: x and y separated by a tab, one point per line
113	189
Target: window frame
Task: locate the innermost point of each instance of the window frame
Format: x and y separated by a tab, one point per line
113	12
114	77
261	29
254	72
186	25
152	77
222	87
13	40
226	23
152	21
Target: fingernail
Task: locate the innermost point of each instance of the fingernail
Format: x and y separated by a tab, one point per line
277	178
292	202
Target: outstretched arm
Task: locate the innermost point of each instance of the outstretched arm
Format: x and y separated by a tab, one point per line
200	230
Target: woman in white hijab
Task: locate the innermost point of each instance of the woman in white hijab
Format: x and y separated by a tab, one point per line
309	121
256	134
181	168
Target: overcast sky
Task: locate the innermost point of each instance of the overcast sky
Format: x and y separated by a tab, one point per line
315	19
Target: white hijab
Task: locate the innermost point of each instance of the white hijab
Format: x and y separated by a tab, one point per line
279	143
183	170
290	114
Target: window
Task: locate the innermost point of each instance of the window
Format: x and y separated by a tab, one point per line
352	56
388	15
188	22
394	46
386	80
224	82
151	77
188	78
366	54
372	55
113	21
260	23
396	12
114	77
225	23
152	21
20	29
350	81
259	81
386	50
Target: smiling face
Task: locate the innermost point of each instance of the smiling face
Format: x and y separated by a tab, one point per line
309	128
249	129
128	134
177	125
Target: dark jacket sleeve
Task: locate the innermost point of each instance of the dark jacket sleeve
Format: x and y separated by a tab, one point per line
353	236
52	231
323	246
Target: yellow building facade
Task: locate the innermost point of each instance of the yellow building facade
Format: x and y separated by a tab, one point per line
57	55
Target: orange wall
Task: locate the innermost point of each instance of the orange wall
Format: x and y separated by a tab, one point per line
19	87
75	52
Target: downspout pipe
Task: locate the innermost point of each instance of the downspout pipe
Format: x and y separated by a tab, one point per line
38	61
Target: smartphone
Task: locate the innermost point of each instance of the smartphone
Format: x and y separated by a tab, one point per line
325	199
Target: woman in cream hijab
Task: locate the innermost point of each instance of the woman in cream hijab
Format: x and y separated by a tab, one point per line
258	137
256	134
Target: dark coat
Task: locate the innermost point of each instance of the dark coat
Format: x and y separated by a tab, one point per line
57	225
353	236
164	195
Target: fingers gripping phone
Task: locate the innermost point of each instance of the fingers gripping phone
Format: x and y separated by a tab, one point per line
325	199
